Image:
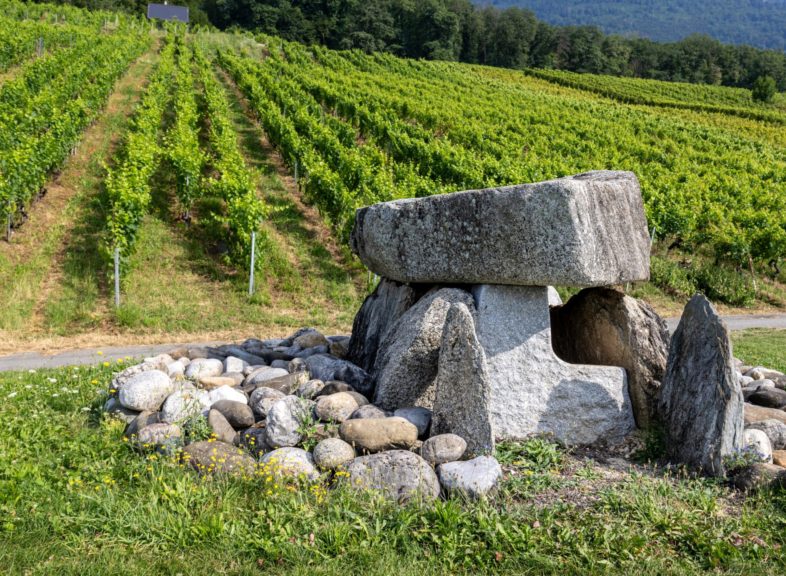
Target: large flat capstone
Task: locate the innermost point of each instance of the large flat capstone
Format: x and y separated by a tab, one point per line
531	390
584	230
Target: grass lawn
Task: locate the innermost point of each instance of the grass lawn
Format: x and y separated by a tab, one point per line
76	499
761	347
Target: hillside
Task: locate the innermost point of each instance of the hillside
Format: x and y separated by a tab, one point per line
760	23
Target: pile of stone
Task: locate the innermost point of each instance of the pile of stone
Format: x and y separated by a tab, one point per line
293	408
464	343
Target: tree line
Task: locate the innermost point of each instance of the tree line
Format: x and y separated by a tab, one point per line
458	30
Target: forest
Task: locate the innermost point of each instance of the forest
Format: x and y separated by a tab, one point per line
458	30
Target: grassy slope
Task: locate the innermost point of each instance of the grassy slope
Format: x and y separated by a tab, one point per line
75	499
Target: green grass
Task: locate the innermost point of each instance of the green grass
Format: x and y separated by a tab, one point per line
76	499
761	347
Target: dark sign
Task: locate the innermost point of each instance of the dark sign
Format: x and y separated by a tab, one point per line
168	12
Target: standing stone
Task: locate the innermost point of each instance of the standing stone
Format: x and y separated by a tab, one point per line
462	386
377	315
584	230
531	390
406	365
399	475
605	327
701	400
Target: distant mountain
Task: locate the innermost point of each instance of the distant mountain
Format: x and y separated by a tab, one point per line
760	23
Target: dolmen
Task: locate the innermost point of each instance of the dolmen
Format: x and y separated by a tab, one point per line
460	321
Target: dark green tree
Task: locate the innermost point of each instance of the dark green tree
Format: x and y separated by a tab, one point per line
764	89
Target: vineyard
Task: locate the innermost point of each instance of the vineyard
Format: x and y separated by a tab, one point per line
227	132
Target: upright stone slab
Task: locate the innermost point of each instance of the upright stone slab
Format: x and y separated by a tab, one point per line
462	390
406	365
379	313
604	326
585	230
701	401
530	389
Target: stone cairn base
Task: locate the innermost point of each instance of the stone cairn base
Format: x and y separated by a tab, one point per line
463	343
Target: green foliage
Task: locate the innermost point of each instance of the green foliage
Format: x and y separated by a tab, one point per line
76	499
764	89
741	459
196	429
761	347
724	285
536	454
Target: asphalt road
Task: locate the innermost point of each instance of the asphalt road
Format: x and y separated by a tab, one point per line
35	360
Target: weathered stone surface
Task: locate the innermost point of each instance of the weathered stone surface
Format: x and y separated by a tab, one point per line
293	463
530	389
333	453
370	411
462	385
310	389
584	230
375	434
359	398
420	417
339	346
326	368
755	413
406	365
605	327
310	339
221	427
376	316
774	429
779	458
238	414
143	419
219	458
175	369
146	391
161	436
284	420
399	475
701	399
769	397
262	400
113	407
227	393
474	478
336	407
184	403
202	367
759	441
234	364
759	476
264	374
443	448
334	387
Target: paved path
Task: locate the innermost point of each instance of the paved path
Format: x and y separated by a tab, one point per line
35	360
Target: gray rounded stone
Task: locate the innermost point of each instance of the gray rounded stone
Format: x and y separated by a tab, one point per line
333	453
162	436
399	475
262	400
775	431
146	391
474	478
420	417
443	448
238	414
285	419
310	389
294	463
143	419
359	398
219	458
117	410
758	440
202	367
264	374
336	407
334	387
184	404
370	411
227	393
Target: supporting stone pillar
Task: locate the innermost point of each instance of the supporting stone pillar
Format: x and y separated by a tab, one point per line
531	389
